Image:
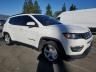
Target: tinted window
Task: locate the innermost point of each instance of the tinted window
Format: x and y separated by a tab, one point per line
20	20
46	20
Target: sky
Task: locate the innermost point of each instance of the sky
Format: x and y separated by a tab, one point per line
12	7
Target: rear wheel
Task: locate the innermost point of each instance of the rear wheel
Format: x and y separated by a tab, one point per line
7	39
51	51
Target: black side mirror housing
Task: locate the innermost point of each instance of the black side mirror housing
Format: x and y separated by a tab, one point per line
58	18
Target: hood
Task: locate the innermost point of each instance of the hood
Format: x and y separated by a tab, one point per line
69	28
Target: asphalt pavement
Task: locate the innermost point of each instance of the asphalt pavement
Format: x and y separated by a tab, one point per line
19	58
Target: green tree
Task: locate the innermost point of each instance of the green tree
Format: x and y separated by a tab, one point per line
25	7
57	13
28	6
48	10
36	7
64	8
73	7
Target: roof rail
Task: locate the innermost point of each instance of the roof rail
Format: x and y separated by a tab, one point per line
17	14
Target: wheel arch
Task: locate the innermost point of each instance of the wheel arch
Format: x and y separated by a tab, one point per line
3	34
6	33
44	39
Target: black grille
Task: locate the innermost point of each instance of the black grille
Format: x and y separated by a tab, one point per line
86	35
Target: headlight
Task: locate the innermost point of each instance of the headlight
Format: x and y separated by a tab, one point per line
71	36
86	35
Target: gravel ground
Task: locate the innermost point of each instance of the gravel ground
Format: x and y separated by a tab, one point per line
19	58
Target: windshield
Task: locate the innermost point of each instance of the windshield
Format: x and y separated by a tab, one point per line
46	20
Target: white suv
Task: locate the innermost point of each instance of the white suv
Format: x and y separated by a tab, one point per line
53	38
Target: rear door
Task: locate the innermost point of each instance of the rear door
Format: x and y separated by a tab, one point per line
24	33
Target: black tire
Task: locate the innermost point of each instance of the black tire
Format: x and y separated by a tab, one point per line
7	39
53	46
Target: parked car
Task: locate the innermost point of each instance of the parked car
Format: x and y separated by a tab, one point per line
85	18
2	22
53	38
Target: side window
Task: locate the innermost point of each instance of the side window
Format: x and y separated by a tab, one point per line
20	20
13	20
25	19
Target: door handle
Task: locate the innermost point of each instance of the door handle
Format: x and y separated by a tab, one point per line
9	27
21	29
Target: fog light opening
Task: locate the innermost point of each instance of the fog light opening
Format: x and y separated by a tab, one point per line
77	48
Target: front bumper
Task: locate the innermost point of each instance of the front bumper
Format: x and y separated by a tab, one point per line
85	46
85	53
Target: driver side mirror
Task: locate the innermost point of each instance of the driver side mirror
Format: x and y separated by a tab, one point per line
30	23
58	18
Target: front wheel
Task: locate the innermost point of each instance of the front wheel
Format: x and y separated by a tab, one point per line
50	51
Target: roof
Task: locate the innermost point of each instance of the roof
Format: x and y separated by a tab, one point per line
26	14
